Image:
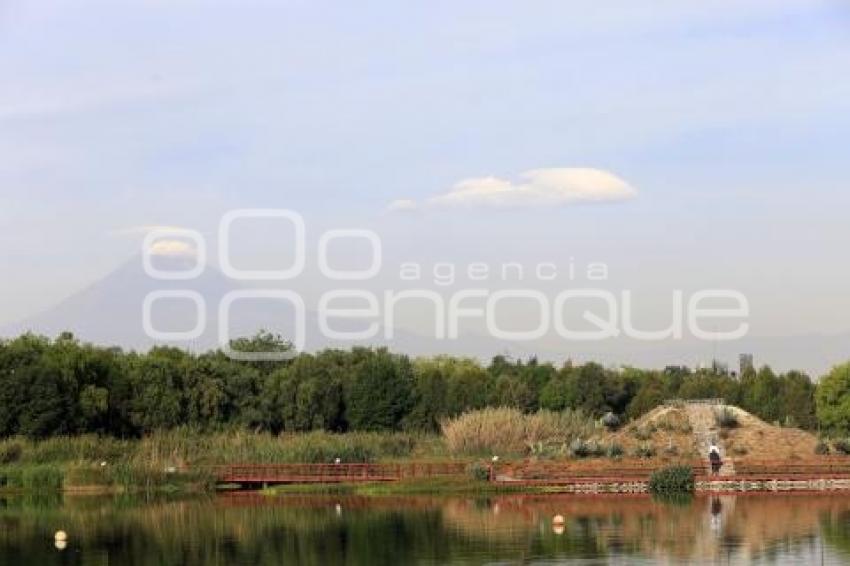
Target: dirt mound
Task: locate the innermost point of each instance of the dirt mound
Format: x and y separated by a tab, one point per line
664	432
754	439
667	432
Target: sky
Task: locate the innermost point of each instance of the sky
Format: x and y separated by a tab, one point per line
686	145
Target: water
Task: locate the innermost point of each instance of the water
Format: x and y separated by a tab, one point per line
252	529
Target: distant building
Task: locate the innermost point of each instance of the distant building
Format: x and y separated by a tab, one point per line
745	362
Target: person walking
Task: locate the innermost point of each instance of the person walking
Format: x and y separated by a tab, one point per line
714	458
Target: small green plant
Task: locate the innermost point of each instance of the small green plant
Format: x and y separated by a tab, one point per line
585	449
614	450
841	445
611	421
479	471
725	418
644	451
10	452
11	477
672	480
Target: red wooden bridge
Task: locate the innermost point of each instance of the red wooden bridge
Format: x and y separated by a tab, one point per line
333	473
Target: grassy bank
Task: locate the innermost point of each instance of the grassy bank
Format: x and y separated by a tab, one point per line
179	460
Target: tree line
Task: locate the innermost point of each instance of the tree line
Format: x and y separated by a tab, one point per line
64	387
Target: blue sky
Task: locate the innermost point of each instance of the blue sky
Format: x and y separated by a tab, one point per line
728	119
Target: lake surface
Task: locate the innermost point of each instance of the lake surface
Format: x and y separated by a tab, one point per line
245	528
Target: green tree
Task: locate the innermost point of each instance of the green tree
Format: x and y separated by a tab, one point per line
832	399
651	393
382	392
797	395
429	397
45	411
761	395
158	399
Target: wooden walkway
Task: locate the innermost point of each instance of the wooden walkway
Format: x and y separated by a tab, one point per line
246	474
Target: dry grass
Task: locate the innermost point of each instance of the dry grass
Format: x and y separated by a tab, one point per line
507	431
756	440
752	439
665	431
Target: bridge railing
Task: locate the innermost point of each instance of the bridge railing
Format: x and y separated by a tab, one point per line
329	473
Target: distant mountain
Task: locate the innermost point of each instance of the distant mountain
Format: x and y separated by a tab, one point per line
109	312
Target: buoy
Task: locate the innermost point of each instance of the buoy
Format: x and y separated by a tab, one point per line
558	520
558	529
60	535
60	544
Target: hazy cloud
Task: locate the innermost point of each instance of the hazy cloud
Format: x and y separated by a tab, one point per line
172	248
537	187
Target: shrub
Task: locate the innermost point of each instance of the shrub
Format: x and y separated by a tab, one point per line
725	418
671	450
614	450
821	448
644	451
585	449
672	480
610	420
10	451
841	445
11	477
478	471
739	451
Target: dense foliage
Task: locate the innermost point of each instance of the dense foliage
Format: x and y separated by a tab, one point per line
50	387
833	399
672	480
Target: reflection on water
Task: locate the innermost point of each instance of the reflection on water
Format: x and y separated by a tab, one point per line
255	529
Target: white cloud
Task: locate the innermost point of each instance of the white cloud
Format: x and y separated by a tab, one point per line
172	248
538	187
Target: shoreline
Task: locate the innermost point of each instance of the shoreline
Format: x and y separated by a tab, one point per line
453	486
